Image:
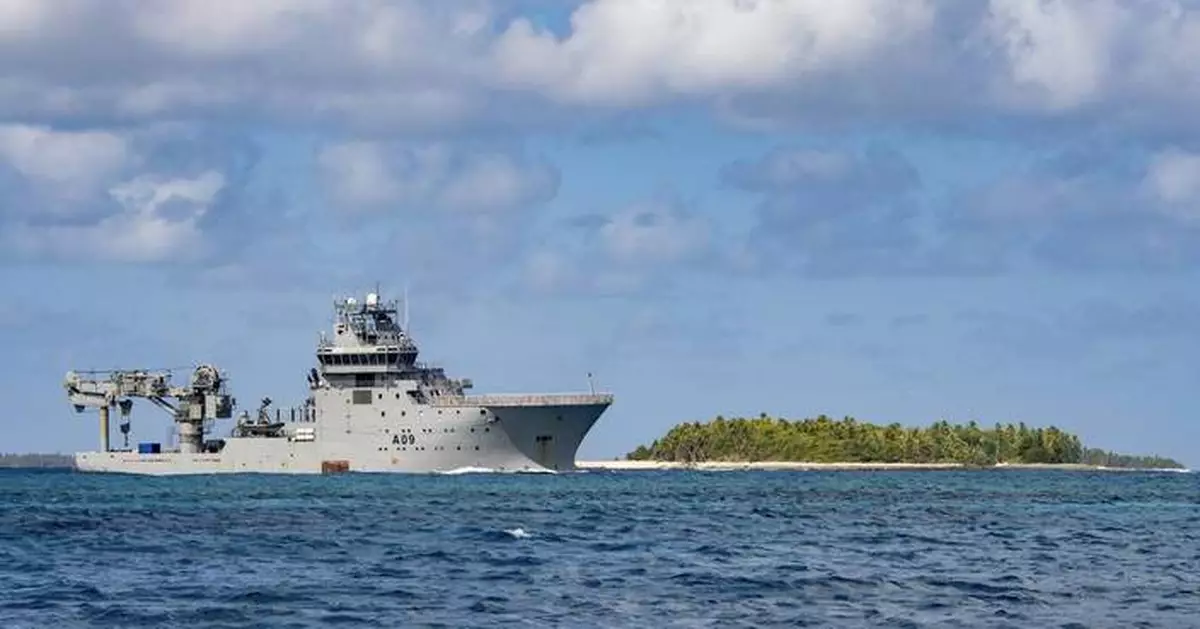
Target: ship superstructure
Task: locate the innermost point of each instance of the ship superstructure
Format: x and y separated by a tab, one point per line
371	407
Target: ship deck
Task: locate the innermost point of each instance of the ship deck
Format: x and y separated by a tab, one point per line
525	400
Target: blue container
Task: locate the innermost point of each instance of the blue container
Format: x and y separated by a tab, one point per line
149	447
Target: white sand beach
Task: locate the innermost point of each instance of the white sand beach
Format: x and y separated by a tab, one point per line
801	466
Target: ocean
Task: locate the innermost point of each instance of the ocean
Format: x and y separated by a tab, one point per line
1010	548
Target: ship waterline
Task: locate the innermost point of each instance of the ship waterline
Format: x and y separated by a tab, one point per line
371	408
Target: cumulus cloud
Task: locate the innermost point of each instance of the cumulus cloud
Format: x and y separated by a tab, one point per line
229	27
138	195
280	60
654	232
1059	53
632	248
621	52
1129	58
371	175
1079	214
20	18
158	220
436	72
419	66
1173	179
831	211
65	164
1083	209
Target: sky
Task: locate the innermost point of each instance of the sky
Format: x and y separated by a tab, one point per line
907	211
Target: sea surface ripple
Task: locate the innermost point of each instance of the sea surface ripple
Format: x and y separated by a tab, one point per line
602	549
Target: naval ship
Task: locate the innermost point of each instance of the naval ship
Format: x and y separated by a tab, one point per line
371	407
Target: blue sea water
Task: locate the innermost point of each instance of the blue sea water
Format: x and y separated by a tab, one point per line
624	549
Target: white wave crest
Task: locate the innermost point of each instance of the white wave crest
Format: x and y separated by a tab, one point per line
467	470
492	470
518	533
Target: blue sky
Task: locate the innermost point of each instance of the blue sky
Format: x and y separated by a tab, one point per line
900	211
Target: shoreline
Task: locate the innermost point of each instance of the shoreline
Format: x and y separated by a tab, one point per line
713	466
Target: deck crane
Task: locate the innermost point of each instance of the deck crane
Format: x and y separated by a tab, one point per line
202	399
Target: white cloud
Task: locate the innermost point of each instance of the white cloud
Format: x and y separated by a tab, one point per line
635	248
66	164
158	220
229	27
357	173
791	167
653	233
1059	49
21	18
498	181
621	51
421	65
1063	55
1173	178
371	175
305	59
549	271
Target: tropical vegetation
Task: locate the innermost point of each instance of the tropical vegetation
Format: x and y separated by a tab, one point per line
825	440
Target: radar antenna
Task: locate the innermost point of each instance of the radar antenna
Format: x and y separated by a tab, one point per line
405	324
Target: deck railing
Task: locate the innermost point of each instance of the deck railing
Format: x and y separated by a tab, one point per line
518	399
295	414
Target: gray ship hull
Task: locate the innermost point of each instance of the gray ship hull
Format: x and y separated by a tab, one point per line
371	407
504	434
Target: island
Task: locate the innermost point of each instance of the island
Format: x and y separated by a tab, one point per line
850	443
